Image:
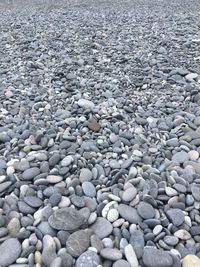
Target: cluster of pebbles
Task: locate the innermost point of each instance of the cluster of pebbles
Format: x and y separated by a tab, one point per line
100	134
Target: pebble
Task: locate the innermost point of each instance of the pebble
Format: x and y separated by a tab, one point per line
121	263
89	189
112	215
88	259
68	219
10	251
128	213
191	261
180	157
182	234
102	227
131	256
112	254
129	194
78	242
153	257
145	210
86	104
176	216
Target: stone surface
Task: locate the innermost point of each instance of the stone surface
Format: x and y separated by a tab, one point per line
10	250
88	259
153	257
67	219
128	213
102	227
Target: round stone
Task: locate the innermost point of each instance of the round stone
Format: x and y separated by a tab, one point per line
112	215
191	261
89	189
195	188
193	154
67	161
129	194
102	227
33	201
112	254
53	179
145	210
31	173
85	175
88	259
182	234
180	157
131	255
176	216
10	251
86	104
128	213
78	242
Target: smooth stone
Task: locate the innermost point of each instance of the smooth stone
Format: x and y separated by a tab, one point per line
131	256
182	234
112	215
88	259
128	213
180	157
191	261
193	154
96	243
176	216
191	77
68	219
49	250
112	254
33	201
89	189
94	126
195	189
78	242
31	173
46	229
53	179
14	227
171	240
102	227
121	263
85	175
153	257
137	242
67	161
57	262
4	186
10	251
129	194
86	104
25	208
145	210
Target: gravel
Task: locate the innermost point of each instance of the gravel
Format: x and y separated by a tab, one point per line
99	133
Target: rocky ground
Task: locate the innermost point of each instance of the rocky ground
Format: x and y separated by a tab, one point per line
100	133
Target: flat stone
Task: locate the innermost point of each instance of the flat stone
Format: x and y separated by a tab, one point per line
33	201
85	175
137	242
68	219
128	213
4	186
86	104
112	215
94	126
191	77
88	259
53	179
89	189
131	256
67	161
193	154
176	216
112	254
195	188
145	210
129	194
191	261
102	227
78	242
180	157
30	174
153	257
10	251
171	240
182	234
